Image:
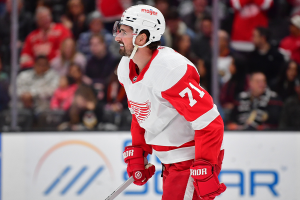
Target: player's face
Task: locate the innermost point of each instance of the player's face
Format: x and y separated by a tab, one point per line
124	38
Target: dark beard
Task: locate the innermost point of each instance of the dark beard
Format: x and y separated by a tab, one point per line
124	52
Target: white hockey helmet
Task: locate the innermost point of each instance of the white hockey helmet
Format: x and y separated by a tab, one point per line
142	17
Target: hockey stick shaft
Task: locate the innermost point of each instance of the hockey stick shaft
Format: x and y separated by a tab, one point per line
120	189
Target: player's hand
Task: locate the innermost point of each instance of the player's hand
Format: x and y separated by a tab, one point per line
142	176
137	165
206	180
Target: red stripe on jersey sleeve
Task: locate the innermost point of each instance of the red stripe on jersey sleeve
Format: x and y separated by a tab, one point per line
192	101
208	141
187	97
138	138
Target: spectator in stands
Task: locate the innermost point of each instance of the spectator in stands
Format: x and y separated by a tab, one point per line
285	85
249	14
77	74
25	26
45	40
115	112
96	27
225	59
101	65
265	58
237	83
75	18
64	94
68	55
112	10
193	19
204	73
116	96
290	116
226	16
36	86
175	28
256	109
201	45
183	46
85	112
290	45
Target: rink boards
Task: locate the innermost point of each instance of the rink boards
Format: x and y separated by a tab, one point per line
53	166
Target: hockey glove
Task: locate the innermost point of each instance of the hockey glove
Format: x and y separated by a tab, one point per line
206	180
136	166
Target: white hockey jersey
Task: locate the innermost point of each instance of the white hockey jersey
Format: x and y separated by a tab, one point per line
168	105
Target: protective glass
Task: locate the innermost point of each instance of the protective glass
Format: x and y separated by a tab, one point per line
116	28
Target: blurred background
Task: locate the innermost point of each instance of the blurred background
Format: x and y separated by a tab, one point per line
58	61
60	96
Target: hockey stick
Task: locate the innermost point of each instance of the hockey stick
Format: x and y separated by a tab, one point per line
120	189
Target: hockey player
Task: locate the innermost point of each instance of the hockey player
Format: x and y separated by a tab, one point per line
172	115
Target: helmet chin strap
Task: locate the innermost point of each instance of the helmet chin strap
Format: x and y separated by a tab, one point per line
134	51
136	47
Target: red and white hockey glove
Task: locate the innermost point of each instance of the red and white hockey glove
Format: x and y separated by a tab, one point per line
206	180
136	166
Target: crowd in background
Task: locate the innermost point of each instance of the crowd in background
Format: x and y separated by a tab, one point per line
68	60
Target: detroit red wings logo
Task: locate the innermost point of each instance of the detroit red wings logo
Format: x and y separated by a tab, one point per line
141	110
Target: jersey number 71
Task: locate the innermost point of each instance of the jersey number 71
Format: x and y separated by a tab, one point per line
188	91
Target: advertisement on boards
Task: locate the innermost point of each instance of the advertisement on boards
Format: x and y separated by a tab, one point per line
90	166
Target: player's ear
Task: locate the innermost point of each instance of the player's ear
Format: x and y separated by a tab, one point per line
141	39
